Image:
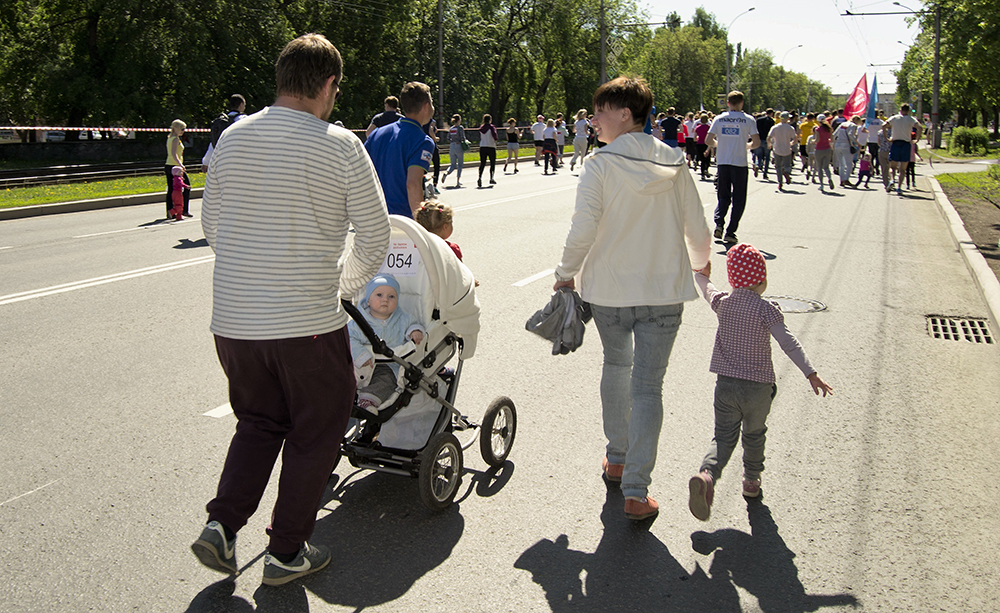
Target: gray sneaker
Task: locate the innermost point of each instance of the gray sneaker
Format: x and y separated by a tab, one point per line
214	551
311	558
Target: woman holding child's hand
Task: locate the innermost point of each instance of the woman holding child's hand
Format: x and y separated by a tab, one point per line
636	195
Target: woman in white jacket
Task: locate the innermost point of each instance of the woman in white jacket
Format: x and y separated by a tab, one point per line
638	231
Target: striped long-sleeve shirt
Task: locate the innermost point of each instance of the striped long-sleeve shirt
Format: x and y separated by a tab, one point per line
282	190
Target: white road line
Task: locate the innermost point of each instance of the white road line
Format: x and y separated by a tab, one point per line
218	412
122	276
513	198
29	493
534	278
162	225
2	248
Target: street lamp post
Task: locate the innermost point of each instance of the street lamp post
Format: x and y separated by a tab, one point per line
809	85
728	54
781	97
935	119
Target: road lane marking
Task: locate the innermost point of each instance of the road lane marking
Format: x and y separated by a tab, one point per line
2	248
218	412
534	278
29	493
513	198
122	276
160	225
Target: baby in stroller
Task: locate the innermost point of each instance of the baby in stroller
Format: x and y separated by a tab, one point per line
393	325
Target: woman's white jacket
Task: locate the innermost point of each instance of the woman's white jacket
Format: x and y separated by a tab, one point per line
639	227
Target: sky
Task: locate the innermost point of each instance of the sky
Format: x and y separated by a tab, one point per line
846	45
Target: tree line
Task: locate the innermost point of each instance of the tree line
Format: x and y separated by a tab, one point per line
142	63
969	60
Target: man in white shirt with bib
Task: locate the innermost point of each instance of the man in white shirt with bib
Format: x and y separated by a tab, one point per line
730	132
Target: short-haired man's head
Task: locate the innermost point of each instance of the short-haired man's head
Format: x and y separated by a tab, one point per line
414	96
840	112
671	111
735	98
305	64
236	101
810	116
392	102
904	109
630	93
769	112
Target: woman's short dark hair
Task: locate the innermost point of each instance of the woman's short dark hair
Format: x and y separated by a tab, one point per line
305	64
630	93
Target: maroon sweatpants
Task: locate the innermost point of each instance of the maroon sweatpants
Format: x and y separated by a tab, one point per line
297	392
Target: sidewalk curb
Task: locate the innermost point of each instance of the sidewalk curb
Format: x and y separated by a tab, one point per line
22	212
988	284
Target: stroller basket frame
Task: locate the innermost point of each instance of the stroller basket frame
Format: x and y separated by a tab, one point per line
439	463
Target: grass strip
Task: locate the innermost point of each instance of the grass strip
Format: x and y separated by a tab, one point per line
69	192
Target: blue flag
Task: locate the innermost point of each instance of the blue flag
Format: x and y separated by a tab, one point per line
872	101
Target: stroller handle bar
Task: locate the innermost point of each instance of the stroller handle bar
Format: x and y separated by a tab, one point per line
378	345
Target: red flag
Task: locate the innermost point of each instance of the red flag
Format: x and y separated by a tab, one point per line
857	103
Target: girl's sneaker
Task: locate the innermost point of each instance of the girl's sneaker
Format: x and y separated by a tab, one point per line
701	490
751	488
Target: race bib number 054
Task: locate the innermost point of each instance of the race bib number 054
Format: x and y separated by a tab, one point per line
402	260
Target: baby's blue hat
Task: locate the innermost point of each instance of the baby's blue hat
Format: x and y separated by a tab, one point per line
383	278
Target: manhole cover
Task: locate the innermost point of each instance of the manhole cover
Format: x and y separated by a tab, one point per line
971	329
791	304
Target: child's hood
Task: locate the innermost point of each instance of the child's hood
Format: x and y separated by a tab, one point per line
645	164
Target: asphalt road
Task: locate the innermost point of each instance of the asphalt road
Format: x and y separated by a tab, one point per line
882	497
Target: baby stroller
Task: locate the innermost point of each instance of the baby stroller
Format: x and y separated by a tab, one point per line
413	432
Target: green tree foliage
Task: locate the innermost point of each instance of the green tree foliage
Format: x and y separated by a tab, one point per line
142	63
969	57
683	68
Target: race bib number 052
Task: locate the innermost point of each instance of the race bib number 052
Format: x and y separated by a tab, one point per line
731	131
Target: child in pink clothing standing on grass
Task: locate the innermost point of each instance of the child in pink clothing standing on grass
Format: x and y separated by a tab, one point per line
742	360
178	192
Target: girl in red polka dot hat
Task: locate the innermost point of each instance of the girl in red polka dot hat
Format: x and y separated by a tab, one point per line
742	360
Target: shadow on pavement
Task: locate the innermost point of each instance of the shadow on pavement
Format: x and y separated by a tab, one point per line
382	538
631	570
186	243
763	565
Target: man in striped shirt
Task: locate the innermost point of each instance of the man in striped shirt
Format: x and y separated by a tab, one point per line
283	188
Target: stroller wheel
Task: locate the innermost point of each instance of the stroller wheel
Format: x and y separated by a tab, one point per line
496	435
440	471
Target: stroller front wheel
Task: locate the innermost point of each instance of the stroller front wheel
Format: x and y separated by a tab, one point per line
440	471
496	435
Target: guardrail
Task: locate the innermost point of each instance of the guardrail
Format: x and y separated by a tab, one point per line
82	173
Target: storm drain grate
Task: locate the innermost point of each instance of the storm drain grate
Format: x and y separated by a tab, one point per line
969	329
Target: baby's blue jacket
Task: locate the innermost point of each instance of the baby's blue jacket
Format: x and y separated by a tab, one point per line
395	331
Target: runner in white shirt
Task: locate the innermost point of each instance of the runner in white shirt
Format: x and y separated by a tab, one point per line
537	129
730	132
901	127
579	138
782	139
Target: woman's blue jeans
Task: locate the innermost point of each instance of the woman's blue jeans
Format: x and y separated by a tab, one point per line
457	155
637	343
